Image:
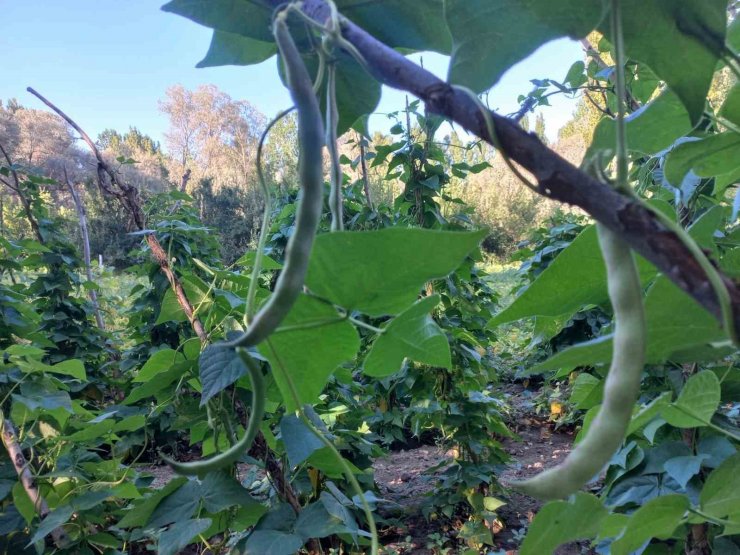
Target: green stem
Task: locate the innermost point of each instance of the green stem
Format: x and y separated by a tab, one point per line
257	269
621	90
361	324
348	474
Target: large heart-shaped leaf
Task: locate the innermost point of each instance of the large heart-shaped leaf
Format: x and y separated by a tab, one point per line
314	342
697	402
654	30
233	49
489	36
559	522
382	272
721	493
412	334
652	128
714	155
658	518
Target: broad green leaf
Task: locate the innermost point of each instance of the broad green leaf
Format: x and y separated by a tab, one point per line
682	469
71	367
142	510
23	502
309	353
418	25
53	520
717	449
315	521
714	155
658	518
219	491
646	413
232	49
559	522
154	385
273	542
382	272
170	310
697	402
652	128
587	391
249	19
731	106
268	263
675	322
300	442
178	506
721	493
159	362
219	368
412	334
397	23
553	292
180	534
490	36
654	30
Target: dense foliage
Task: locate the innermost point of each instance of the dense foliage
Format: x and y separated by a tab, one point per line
399	335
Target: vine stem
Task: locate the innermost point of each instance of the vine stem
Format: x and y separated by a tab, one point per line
622	155
259	254
348	474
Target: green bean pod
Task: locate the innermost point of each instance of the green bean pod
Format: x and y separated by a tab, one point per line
622	383
311	139
231	455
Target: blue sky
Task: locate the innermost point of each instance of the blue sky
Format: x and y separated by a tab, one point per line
108	62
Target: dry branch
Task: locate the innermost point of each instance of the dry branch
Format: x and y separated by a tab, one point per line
21	465
557	178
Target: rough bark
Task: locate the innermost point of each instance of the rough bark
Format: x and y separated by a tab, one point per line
22	468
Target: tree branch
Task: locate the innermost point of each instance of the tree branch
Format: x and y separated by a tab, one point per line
21	465
557	178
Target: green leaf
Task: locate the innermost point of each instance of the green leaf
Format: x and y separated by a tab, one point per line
268	263
412	334
23	503
170	309
219	368
309	354
180	534
721	493
177	506
559	522
315	521
682	469
675	322
490	36
249	19
273	542
154	385
646	413
697	402
159	362
219	491
652	128
143	509
382	272
232	49
418	25
731	107
587	391
714	155
654	30
300	442
53	520
658	518
71	367
553	294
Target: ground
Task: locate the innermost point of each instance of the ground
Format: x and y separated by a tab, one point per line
403	481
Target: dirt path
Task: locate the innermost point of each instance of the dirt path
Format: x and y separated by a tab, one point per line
404	481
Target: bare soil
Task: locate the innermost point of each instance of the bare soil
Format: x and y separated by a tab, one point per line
405	481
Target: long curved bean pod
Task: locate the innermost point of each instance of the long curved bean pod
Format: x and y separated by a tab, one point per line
230	456
622	383
311	138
